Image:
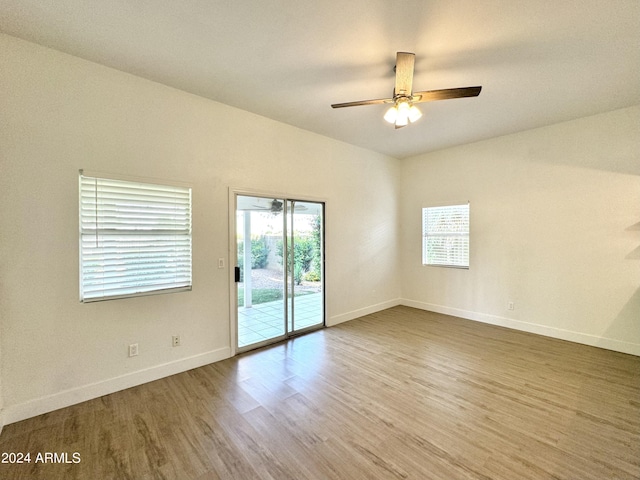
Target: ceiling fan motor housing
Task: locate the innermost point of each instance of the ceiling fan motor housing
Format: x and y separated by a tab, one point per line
276	205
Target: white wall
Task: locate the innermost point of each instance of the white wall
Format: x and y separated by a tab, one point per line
58	114
555	228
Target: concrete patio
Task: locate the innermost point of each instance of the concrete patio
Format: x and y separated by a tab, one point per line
266	320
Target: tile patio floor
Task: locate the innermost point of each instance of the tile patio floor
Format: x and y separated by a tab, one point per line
266	320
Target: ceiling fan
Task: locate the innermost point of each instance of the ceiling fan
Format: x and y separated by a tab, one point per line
403	110
275	206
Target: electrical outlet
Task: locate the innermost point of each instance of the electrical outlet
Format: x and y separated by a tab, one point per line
510	306
175	340
133	349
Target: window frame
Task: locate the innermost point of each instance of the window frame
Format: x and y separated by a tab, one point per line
447	234
163	218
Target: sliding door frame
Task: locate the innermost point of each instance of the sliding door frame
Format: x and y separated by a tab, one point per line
232	260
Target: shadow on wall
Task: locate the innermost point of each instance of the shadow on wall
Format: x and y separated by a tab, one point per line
626	325
634	254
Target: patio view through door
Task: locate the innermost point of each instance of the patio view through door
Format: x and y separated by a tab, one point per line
280	269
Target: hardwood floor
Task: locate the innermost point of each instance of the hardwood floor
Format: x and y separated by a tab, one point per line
402	393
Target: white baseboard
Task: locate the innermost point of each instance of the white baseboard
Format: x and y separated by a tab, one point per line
577	337
361	312
49	403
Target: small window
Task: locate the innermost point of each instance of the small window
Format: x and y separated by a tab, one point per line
135	239
445	236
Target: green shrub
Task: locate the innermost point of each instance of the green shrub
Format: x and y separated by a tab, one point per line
303	256
316	236
303	253
259	252
297	274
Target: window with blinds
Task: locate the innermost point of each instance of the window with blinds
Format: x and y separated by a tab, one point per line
135	239
445	236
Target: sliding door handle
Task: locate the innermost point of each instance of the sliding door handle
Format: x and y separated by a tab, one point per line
237	274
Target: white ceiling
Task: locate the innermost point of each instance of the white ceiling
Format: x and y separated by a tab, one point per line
539	62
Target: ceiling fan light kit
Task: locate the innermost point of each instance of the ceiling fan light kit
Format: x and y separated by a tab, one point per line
402	113
403	110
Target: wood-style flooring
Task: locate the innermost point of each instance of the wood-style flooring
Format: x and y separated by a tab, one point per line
402	393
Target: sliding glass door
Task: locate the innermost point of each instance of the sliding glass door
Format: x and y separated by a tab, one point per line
279	273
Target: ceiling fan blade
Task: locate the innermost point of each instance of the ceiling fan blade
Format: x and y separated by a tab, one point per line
362	102
445	94
404	73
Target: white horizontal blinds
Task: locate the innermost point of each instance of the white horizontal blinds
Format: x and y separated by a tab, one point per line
135	238
445	231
